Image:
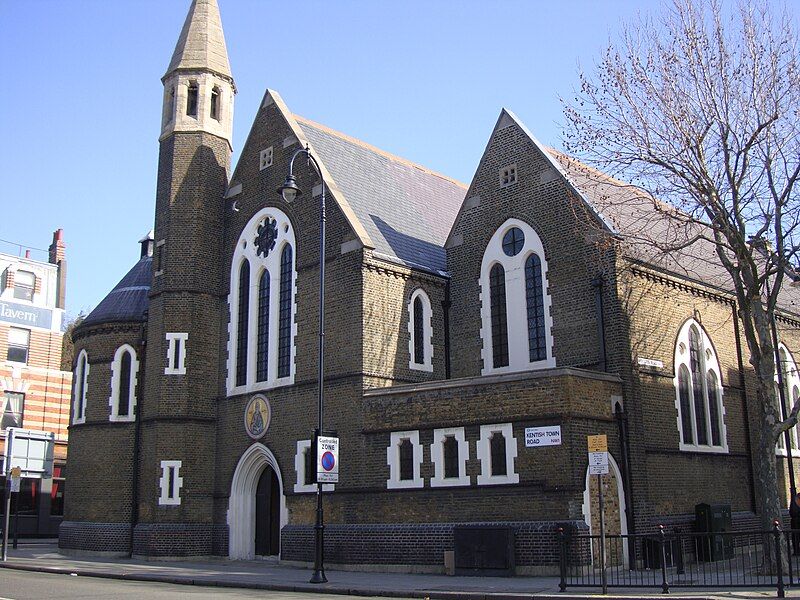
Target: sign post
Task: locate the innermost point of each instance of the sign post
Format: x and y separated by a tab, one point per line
598	465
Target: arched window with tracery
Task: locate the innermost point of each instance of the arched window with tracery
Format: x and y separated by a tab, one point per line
514	291
698	392
261	348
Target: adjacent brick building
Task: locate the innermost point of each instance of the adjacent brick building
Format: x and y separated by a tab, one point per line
35	389
459	320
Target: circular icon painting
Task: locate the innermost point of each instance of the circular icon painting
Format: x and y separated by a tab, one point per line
257	416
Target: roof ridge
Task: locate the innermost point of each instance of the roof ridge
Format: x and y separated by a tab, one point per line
377	150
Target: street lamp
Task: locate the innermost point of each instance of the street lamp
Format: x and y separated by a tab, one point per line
289	191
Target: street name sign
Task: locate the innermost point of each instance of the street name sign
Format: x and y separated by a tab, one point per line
543	436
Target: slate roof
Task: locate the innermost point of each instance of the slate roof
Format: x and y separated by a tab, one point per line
129	299
406	209
201	44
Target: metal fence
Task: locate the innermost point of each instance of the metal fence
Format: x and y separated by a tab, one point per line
668	560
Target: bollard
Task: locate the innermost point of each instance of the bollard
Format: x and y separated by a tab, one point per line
562	559
664	584
779	558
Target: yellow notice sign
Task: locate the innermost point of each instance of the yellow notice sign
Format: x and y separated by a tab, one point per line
597	443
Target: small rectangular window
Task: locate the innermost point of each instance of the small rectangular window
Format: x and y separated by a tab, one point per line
265	158
170	483
176	353
497	449
508	175
24	285
191	99
12	407
158	258
310	467
18	344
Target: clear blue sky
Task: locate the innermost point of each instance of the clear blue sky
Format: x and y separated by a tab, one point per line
81	100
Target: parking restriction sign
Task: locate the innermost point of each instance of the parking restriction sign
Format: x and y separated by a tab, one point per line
327	459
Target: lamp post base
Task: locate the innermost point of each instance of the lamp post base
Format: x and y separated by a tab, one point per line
318	577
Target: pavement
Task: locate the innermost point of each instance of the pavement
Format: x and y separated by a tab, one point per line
43	556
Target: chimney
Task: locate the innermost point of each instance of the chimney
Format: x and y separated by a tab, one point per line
58	257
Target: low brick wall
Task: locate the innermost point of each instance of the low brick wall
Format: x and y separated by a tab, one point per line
536	543
105	538
159	540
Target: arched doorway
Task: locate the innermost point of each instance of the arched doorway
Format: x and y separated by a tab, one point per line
268	514
246	519
614	514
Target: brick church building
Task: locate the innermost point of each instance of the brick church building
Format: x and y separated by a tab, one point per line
458	317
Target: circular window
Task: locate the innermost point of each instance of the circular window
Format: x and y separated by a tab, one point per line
513	241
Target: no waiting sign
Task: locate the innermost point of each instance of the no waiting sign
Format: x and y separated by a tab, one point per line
327	459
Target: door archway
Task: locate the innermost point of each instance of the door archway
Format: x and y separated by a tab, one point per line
257	464
615	513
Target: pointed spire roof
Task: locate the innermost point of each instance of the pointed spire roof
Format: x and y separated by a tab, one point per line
201	45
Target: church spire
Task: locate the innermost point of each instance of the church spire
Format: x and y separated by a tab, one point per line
198	85
201	45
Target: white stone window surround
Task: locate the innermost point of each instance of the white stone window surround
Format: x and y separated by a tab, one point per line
79	400
484	449
300	486
709	362
265	158
427	332
182	340
792	388
393	460
516	301
170	474
437	457
246	249
116	374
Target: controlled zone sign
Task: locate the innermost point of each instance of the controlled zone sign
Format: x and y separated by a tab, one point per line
327	459
31	451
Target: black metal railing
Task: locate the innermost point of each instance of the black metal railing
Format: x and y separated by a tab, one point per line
678	559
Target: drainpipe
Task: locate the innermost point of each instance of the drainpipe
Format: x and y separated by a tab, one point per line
597	284
137	437
446	308
622	425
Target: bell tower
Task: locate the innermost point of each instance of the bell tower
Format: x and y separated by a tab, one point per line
174	500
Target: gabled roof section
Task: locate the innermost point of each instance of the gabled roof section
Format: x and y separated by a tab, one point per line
129	299
399	209
201	45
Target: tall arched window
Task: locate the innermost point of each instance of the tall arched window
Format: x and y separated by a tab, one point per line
215	103
698	392
262	359
514	291
285	318
420	329
791	391
497	293
80	379
261	348
244	317
124	375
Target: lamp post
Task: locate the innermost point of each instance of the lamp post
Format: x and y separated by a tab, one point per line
289	191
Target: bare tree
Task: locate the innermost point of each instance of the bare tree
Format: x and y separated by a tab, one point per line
701	109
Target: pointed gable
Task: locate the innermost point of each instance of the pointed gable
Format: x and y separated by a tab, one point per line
201	45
